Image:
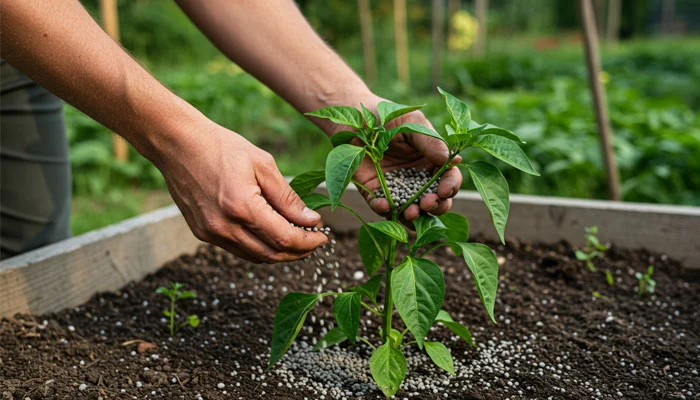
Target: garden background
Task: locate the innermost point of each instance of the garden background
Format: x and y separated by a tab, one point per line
532	79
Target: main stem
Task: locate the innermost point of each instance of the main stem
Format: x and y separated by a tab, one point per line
388	299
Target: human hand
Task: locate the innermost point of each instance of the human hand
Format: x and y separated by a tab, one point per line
406	151
232	195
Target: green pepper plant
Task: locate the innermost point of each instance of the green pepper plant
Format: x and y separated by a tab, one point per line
414	285
174	294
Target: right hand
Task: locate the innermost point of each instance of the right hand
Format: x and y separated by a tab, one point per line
232	195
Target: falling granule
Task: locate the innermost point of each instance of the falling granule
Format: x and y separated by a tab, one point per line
404	183
321	257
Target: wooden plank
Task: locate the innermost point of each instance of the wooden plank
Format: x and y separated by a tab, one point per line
110	23
673	230
401	40
598	93
368	52
68	273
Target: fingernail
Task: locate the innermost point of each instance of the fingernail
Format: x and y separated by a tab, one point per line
452	192
434	207
310	214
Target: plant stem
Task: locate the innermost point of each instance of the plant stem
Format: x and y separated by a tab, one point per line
407	344
385	187
371	309
172	316
388	299
432	248
425	187
363	187
365	341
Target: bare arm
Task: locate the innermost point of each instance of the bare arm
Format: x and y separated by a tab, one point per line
220	181
272	40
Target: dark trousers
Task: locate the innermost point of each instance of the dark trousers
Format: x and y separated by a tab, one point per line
35	177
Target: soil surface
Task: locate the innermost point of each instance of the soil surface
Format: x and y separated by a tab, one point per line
562	333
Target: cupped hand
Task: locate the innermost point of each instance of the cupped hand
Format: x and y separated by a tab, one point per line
232	195
408	150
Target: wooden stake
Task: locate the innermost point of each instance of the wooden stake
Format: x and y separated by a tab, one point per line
400	36
110	23
613	28
438	41
481	10
598	94
368	53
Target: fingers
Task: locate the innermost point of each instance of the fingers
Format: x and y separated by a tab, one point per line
412	212
433	150
247	245
450	182
282	197
380	205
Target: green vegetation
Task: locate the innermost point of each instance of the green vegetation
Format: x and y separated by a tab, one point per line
174	294
646	284
414	285
592	250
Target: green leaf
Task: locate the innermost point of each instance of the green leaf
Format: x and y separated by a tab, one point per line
193	320
341	164
457	229
333	337
371	256
186	295
388	111
391	229
346	311
456	328
493	188
307	182
441	356
316	200
164	290
168	313
289	318
370	289
459	112
342	115
370	118
388	367
343	137
581	255
386	137
488	129
429	229
507	151
484	267
418	288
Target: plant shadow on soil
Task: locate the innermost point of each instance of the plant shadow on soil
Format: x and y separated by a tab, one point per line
554	338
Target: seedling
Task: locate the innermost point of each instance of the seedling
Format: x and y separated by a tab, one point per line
646	284
174	294
610	278
593	248
414	285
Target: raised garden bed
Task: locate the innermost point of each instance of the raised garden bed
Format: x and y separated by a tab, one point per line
555	338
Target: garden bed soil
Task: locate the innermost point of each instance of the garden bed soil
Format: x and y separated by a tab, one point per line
554	337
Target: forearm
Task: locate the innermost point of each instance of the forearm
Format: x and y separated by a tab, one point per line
58	44
272	40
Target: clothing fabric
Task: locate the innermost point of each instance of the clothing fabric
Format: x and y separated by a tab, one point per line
35	175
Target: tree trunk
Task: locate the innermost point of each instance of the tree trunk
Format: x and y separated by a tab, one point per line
613	28
400	36
481	11
438	41
368	51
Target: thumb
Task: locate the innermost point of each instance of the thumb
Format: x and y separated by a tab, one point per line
285	201
433	150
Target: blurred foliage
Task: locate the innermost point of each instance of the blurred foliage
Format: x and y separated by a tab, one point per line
651	87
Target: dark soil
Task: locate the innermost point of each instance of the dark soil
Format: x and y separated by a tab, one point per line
579	345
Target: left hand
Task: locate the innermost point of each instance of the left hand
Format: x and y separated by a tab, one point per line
406	151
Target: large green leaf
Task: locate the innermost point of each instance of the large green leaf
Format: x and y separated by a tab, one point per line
370	289
457	229
346	311
456	328
333	337
429	229
371	256
316	200
370	118
342	115
441	356
484	267
307	182
391	229
507	151
418	288
290	316
459	112
488	129
343	137
388	111
388	367
493	188
386	137
341	164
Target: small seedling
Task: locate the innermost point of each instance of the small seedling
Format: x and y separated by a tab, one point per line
610	278
646	284
174	294
593	248
413	285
